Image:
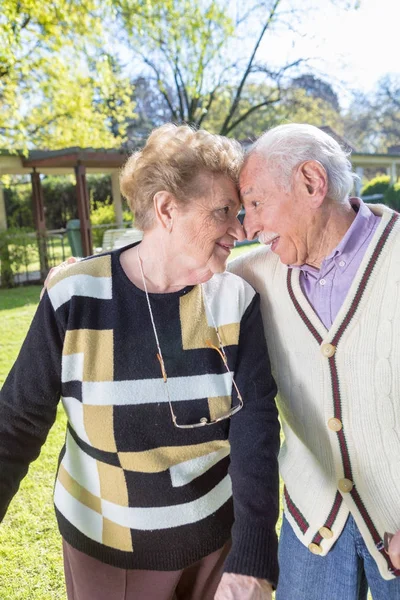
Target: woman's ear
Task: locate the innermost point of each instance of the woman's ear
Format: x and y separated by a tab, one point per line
164	207
313	181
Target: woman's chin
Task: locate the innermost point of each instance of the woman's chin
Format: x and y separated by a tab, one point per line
218	266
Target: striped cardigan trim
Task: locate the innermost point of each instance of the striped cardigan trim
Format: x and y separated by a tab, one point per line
331	517
299	309
372	529
295	512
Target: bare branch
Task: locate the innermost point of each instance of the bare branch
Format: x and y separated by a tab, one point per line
161	86
236	100
251	110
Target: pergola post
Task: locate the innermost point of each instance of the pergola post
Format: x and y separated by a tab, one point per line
40	222
393	173
116	197
358	182
3	216
6	273
82	194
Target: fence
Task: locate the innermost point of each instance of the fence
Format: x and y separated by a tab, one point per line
20	249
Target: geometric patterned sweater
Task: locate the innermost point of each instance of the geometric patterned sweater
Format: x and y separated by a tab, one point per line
131	489
338	395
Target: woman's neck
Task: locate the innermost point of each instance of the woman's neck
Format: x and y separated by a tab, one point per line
164	270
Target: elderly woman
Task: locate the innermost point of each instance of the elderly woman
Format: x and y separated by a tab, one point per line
168	476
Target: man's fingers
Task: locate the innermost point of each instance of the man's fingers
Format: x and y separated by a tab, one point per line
54	270
394	550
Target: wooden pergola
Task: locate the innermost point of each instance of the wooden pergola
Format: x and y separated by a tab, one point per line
82	161
64	162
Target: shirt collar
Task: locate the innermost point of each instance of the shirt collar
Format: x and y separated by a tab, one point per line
351	242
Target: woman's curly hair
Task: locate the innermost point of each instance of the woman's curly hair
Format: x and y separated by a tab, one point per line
172	159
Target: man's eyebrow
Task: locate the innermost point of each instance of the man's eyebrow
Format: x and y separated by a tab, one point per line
247	192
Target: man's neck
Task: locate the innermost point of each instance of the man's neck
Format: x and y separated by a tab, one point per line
333	221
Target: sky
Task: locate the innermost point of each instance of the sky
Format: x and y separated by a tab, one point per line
351	49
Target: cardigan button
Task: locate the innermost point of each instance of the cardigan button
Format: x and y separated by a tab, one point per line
335	424
314	548
325	532
328	350
345	485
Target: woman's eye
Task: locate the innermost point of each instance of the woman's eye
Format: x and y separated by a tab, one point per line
255	203
224	210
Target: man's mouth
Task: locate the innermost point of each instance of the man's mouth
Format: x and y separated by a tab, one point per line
269	239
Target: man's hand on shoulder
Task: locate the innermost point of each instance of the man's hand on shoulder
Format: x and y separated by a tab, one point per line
394	550
243	587
54	270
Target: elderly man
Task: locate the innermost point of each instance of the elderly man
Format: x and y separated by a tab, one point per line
330	290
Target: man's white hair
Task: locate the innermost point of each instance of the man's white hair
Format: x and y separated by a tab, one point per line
287	146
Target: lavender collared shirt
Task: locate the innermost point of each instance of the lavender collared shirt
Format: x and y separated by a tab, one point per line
327	287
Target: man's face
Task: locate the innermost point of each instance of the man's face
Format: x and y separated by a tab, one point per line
273	215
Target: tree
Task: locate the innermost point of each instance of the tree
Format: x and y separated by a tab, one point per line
57	86
388	104
317	88
288	105
200	57
373	121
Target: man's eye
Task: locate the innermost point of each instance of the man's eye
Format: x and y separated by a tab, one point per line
225	210
255	203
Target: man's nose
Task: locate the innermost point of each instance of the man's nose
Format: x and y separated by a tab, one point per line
238	231
250	229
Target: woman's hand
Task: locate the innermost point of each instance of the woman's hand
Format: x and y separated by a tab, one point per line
70	261
243	587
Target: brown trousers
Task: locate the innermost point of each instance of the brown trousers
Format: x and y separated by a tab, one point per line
89	579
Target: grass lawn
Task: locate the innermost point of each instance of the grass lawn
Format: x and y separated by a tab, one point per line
30	547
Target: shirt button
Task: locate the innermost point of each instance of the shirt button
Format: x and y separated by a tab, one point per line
328	350
314	548
326	533
342	263
345	485
322	281
335	424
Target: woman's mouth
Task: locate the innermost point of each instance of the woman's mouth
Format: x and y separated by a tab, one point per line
226	247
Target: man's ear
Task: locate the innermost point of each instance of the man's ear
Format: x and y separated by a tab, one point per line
164	207
313	181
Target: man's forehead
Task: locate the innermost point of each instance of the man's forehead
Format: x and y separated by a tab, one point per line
246	191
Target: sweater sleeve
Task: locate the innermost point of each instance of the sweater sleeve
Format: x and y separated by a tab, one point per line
254	439
28	400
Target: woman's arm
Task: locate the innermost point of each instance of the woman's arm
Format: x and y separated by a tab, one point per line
254	439
28	400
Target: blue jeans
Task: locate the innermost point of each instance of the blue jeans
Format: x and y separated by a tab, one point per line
345	573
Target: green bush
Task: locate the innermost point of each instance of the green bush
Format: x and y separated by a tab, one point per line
377	185
17	250
59	194
105	215
392	197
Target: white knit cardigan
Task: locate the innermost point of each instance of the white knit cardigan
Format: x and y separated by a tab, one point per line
339	394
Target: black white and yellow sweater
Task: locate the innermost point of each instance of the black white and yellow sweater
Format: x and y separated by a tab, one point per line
132	490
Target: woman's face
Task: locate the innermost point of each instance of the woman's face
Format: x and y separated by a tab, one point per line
206	228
